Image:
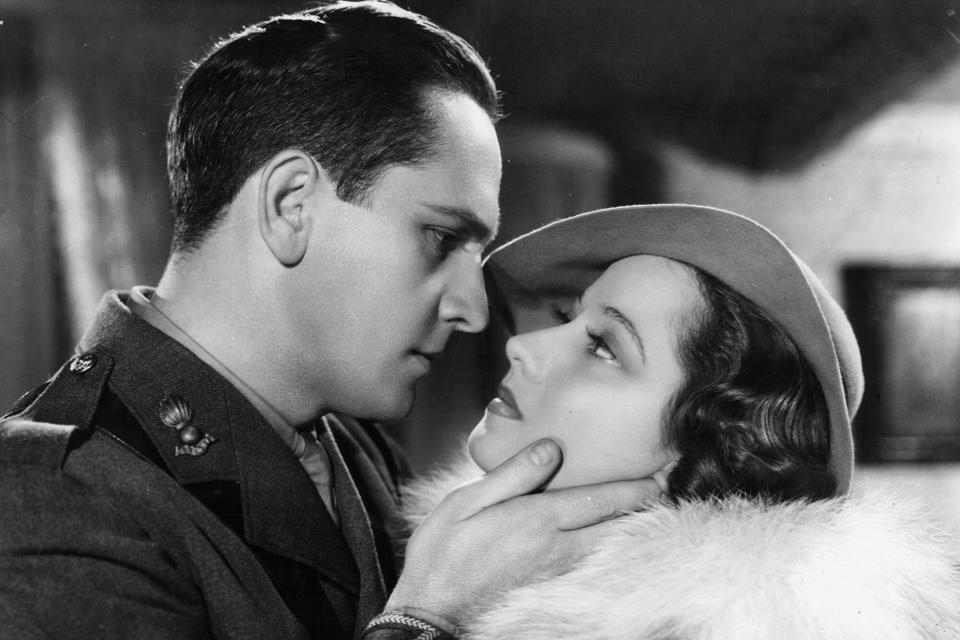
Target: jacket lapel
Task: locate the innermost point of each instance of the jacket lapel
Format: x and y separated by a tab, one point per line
369	465
358	532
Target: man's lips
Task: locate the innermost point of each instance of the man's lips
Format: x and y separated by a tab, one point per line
505	405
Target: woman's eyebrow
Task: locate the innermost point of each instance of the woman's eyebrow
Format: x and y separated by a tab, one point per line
616	314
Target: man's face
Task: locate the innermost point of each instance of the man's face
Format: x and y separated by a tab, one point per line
384	284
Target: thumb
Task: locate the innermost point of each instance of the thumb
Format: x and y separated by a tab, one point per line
523	473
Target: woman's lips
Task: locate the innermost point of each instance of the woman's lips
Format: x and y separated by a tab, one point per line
505	405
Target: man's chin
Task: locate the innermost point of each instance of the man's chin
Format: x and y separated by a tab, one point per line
394	409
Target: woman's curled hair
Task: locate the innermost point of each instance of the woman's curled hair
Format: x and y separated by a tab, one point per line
750	418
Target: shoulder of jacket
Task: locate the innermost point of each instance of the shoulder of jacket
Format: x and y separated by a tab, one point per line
48	421
25	441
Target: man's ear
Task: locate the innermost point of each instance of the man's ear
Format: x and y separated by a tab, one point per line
288	183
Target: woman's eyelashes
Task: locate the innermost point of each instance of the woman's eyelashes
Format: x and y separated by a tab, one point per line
559	314
597	346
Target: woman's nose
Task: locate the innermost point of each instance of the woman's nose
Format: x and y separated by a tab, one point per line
526	353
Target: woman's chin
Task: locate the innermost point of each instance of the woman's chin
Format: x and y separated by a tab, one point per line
489	447
476	449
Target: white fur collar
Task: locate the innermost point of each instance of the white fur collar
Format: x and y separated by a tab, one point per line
865	566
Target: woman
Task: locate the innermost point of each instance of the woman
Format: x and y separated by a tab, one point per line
701	352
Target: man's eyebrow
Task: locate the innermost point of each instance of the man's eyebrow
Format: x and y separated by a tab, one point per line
616	314
476	228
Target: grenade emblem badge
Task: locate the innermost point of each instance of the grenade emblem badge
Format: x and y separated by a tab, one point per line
177	414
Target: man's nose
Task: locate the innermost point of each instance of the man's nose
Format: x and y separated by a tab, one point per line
464	302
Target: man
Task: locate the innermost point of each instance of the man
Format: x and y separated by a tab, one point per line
335	176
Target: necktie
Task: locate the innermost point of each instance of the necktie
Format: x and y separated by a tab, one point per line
316	463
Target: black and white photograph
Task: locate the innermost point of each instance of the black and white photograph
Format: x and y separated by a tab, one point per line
479	319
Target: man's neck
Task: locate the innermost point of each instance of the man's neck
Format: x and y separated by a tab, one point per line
225	323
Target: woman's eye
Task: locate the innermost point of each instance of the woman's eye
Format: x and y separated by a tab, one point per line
598	347
559	314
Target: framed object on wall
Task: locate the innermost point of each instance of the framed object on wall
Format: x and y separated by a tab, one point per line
907	320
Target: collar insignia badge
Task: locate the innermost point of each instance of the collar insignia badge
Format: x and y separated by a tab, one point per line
177	414
83	363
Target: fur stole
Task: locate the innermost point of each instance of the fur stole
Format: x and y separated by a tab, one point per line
869	565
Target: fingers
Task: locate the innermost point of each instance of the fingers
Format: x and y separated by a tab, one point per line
526	471
580	507
574	545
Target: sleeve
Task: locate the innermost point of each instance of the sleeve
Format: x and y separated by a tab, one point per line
72	565
403	626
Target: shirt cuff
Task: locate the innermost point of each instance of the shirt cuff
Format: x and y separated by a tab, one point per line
409	624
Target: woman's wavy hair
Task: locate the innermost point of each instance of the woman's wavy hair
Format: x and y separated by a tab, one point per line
750	418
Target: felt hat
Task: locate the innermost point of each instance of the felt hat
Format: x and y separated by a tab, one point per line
566	256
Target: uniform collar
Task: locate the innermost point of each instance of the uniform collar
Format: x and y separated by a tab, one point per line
282	512
140	303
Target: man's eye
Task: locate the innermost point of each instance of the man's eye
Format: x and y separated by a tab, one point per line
444	240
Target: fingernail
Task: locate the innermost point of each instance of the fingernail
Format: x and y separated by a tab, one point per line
543	452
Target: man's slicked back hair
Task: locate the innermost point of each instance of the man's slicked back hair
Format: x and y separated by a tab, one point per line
348	83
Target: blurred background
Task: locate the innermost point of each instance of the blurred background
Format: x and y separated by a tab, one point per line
836	123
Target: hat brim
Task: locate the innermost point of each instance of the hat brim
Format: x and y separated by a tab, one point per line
566	256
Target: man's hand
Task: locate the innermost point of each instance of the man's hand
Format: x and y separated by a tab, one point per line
490	535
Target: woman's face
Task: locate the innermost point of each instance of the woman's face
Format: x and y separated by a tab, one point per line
598	384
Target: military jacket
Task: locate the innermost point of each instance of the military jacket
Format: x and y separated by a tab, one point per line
143	496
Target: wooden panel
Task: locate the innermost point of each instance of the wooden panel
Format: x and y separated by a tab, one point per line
29	346
908	324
